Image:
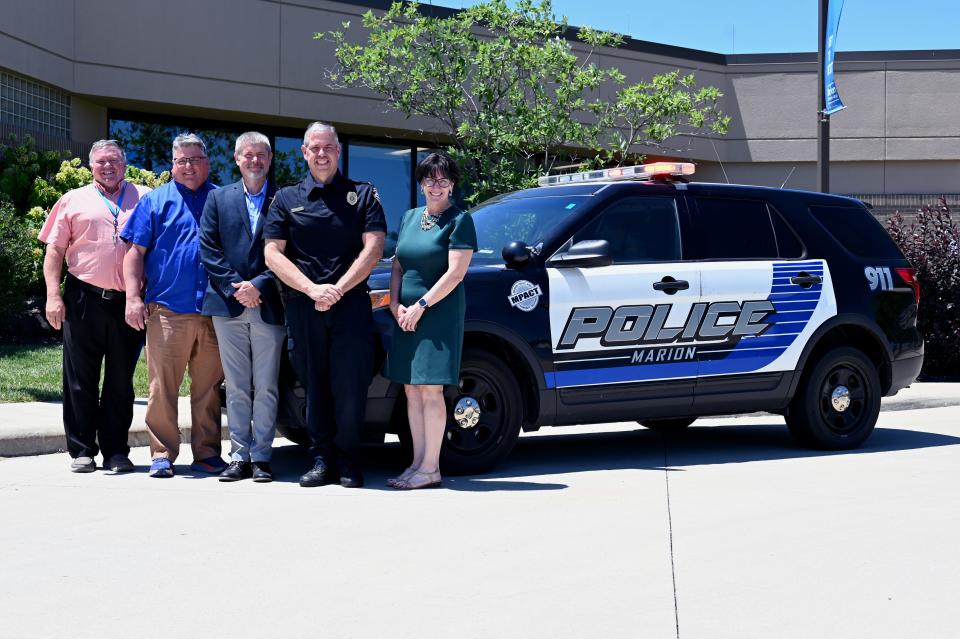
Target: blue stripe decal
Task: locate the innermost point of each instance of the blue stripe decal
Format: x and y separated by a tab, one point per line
621	374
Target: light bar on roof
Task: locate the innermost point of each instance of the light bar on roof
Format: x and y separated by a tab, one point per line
639	172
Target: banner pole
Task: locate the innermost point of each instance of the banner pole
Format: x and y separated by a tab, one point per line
823	120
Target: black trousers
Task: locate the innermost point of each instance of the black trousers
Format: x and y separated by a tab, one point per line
94	336
332	354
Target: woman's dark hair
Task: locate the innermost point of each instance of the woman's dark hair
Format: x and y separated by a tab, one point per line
435	165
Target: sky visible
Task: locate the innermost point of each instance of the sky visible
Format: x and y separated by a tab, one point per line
766	26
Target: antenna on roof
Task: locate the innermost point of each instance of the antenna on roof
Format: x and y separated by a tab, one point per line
788	176
719	161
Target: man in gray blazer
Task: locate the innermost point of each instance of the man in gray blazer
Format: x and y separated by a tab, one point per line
243	298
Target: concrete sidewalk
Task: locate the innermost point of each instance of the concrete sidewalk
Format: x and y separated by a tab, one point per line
36	428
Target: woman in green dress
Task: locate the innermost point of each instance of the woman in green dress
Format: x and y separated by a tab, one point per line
434	247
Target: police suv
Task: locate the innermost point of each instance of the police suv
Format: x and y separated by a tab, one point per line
631	294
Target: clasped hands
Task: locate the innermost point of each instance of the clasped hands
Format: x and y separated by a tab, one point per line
324	296
247	294
407	316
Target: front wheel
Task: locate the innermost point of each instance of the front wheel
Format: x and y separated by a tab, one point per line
838	402
484	412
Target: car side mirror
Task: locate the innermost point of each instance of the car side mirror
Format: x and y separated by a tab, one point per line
517	255
584	254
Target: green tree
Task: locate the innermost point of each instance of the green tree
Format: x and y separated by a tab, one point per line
508	92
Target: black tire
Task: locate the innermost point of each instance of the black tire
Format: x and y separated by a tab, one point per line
816	420
668	426
477	449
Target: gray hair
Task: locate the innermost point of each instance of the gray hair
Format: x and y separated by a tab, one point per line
188	139
103	144
319	127
251	137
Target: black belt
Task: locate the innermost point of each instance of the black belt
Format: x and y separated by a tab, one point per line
105	293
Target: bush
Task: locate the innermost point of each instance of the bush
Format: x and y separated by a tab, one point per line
21	262
20	165
932	244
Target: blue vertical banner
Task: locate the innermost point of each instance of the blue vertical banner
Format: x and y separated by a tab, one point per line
832	98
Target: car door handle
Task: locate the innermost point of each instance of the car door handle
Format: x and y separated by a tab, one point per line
670	286
805	279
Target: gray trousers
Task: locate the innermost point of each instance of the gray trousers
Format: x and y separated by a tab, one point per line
250	353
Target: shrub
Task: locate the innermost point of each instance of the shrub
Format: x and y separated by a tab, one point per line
932	244
20	165
21	262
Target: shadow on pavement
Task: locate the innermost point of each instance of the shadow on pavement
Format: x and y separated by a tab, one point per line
639	449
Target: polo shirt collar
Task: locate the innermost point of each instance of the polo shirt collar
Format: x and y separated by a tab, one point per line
311	183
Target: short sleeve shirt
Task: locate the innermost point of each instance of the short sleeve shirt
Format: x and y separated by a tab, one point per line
323	224
167	223
82	223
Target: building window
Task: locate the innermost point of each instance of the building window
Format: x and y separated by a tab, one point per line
389	168
34	106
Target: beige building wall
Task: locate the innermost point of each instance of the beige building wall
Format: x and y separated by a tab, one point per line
256	61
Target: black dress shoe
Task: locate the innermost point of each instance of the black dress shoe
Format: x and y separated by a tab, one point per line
319	475
351	477
235	471
262	473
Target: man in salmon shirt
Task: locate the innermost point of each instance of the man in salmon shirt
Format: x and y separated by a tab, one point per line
84	228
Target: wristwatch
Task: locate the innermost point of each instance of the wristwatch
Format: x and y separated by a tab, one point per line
423	303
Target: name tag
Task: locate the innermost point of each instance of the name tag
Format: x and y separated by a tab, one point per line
296	209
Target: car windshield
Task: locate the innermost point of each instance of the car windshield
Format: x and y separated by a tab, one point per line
529	220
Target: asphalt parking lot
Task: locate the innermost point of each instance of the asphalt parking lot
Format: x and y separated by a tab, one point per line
729	531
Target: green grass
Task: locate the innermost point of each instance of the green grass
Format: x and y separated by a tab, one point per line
33	373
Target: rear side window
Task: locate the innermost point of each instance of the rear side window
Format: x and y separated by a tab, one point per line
857	231
729	229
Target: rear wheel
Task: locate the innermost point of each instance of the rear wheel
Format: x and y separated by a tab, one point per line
674	425
838	401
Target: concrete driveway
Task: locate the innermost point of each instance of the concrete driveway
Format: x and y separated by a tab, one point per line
728	531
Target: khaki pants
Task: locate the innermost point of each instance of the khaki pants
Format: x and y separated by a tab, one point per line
174	342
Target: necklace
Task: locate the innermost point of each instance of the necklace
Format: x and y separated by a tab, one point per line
428	221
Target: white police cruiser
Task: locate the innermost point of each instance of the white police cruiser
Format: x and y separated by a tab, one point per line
631	294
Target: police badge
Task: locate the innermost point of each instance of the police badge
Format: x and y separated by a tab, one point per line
352	198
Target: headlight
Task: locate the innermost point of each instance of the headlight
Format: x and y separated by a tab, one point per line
379	299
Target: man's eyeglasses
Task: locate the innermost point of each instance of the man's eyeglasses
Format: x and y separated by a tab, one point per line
199	159
431	183
329	149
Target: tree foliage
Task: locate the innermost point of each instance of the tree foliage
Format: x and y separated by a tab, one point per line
511	94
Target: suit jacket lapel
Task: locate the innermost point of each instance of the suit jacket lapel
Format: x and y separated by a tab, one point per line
240	201
271	191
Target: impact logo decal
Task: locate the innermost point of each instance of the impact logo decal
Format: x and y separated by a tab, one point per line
524	295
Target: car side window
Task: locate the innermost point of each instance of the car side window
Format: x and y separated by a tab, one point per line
731	229
639	229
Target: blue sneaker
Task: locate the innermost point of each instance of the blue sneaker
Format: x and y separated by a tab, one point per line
161	467
210	465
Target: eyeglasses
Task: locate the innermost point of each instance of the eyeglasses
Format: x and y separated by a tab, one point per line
328	149
431	183
111	161
250	157
199	159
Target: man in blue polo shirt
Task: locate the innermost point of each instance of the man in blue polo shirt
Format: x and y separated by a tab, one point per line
165	284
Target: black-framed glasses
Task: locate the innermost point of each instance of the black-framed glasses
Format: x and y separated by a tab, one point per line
195	160
442	183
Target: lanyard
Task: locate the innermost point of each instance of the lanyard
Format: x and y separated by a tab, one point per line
114	209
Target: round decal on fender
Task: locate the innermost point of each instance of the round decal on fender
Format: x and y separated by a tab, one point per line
524	295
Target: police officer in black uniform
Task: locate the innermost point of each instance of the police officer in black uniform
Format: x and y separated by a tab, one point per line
323	237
